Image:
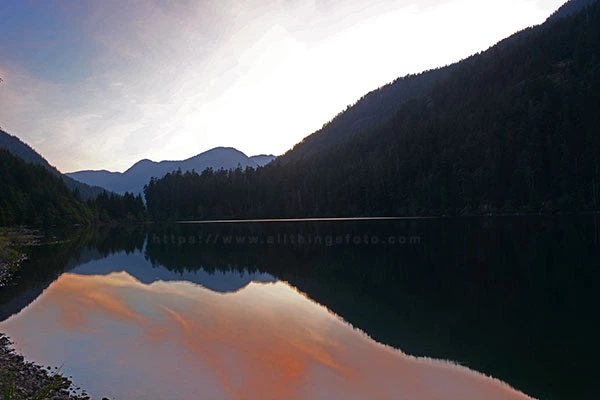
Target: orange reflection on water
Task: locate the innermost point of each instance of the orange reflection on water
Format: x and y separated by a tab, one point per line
75	298
266	341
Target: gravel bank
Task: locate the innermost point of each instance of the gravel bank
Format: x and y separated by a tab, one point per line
25	380
20	379
6	268
11	256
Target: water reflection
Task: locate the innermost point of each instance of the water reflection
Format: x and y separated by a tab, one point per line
180	340
64	250
513	298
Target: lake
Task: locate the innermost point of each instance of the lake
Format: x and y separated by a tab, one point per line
466	308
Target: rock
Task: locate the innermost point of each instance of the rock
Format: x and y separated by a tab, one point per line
27	379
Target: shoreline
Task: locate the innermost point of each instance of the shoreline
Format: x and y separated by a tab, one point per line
388	218
12	240
21	379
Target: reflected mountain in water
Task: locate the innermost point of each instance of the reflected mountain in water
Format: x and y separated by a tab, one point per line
127	339
513	298
103	251
62	251
137	266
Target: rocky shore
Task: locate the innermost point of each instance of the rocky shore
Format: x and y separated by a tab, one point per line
7	268
11	256
20	379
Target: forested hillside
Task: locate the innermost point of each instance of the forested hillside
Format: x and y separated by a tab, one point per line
18	148
513	129
379	106
569	8
370	112
30	194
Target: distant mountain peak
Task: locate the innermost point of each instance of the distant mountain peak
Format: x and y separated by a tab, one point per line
263	155
140	164
140	173
263	159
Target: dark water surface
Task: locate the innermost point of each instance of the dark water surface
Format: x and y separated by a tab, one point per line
318	309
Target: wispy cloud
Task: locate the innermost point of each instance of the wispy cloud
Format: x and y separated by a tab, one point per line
168	79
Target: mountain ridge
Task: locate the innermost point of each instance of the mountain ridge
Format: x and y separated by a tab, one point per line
139	174
379	106
19	148
569	8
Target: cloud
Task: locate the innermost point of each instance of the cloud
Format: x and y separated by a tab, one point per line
170	79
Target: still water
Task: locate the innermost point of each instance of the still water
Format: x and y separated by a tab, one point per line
494	308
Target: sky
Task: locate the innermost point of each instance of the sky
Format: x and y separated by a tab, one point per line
96	84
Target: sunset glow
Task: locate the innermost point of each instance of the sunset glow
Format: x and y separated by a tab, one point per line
101	85
243	345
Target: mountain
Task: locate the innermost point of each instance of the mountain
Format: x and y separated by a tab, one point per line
371	111
18	148
379	106
147	270
15	146
262	159
569	8
509	130
32	194
134	179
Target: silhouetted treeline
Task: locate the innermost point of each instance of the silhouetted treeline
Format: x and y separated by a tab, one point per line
31	194
112	206
514	129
